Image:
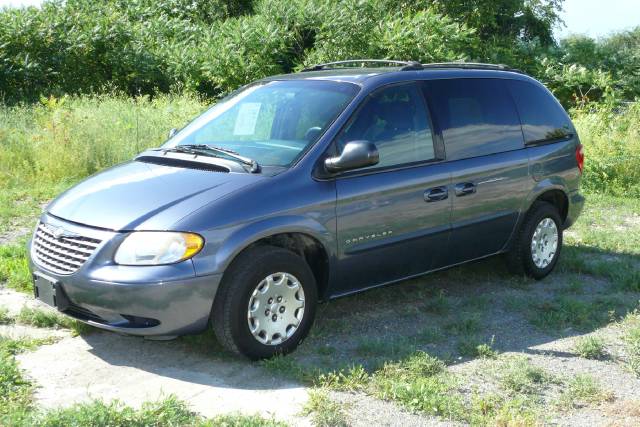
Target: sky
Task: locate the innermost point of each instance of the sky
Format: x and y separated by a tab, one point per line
595	18
598	18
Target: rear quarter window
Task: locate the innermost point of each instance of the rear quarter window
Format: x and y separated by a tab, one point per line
543	118
477	117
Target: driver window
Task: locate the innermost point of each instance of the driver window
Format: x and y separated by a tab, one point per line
395	120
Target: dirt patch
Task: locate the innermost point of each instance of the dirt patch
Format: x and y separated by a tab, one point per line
109	366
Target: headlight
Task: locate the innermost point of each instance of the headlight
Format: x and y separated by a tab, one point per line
158	247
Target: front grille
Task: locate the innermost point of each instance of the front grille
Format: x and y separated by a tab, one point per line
62	255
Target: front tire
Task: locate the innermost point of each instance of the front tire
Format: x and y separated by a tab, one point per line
266	303
538	242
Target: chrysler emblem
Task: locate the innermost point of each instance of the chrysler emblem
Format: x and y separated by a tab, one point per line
60	232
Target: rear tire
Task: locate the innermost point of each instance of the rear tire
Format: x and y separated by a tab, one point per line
266	303
538	242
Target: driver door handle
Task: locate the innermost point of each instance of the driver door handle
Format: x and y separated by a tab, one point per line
465	188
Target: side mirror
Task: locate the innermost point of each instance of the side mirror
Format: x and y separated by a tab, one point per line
172	132
356	154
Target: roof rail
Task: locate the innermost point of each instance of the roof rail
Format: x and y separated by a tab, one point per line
471	66
414	65
406	65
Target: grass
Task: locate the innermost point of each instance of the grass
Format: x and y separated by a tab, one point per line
420	383
13	346
43	149
385	347
324	412
14	270
5	318
519	376
17	408
631	340
41	318
438	304
354	378
591	348
564	313
583	390
464	325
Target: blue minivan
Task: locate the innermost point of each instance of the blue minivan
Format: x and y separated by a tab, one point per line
299	188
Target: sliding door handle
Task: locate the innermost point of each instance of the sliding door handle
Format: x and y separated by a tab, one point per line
436	194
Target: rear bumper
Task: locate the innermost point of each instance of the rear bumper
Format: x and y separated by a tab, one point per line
143	301
576	204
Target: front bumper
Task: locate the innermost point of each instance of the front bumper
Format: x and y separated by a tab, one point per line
144	301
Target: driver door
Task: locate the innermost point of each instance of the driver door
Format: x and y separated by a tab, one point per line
393	218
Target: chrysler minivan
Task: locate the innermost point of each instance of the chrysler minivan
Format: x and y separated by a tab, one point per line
300	188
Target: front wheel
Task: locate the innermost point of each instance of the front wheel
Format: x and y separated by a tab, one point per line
265	304
538	242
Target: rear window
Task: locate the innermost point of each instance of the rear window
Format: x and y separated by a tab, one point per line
477	116
543	119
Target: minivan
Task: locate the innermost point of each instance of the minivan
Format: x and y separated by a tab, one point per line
300	188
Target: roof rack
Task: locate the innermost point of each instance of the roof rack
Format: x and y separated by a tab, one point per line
406	65
470	66
414	65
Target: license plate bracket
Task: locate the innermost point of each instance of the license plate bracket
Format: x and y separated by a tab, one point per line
45	289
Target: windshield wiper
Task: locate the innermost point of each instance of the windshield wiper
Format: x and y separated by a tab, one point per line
199	148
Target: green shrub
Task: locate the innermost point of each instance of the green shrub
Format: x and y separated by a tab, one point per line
611	138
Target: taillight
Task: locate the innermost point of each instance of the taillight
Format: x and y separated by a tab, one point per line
580	157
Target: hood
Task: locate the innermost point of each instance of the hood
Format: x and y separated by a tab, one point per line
144	196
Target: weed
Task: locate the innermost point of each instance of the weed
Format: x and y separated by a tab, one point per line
520	376
476	303
354	378
429	394
14	346
591	348
429	335
469	347
494	409
387	348
438	304
486	351
41	318
326	350
464	326
631	339
14	269
517	303
583	390
324	411
575	287
5	318
564	313
15	390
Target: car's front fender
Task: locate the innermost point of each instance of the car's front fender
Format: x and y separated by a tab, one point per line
225	245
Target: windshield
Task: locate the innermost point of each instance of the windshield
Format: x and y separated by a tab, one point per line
270	122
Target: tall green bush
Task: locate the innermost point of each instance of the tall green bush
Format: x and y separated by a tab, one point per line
611	137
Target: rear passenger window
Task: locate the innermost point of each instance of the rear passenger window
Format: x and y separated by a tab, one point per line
543	119
477	116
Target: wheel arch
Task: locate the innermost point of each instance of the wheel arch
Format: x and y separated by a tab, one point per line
304	237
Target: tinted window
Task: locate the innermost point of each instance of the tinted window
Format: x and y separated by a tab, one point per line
395	119
477	116
271	122
542	116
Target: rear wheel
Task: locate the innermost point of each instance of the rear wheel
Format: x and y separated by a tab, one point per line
266	303
536	248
